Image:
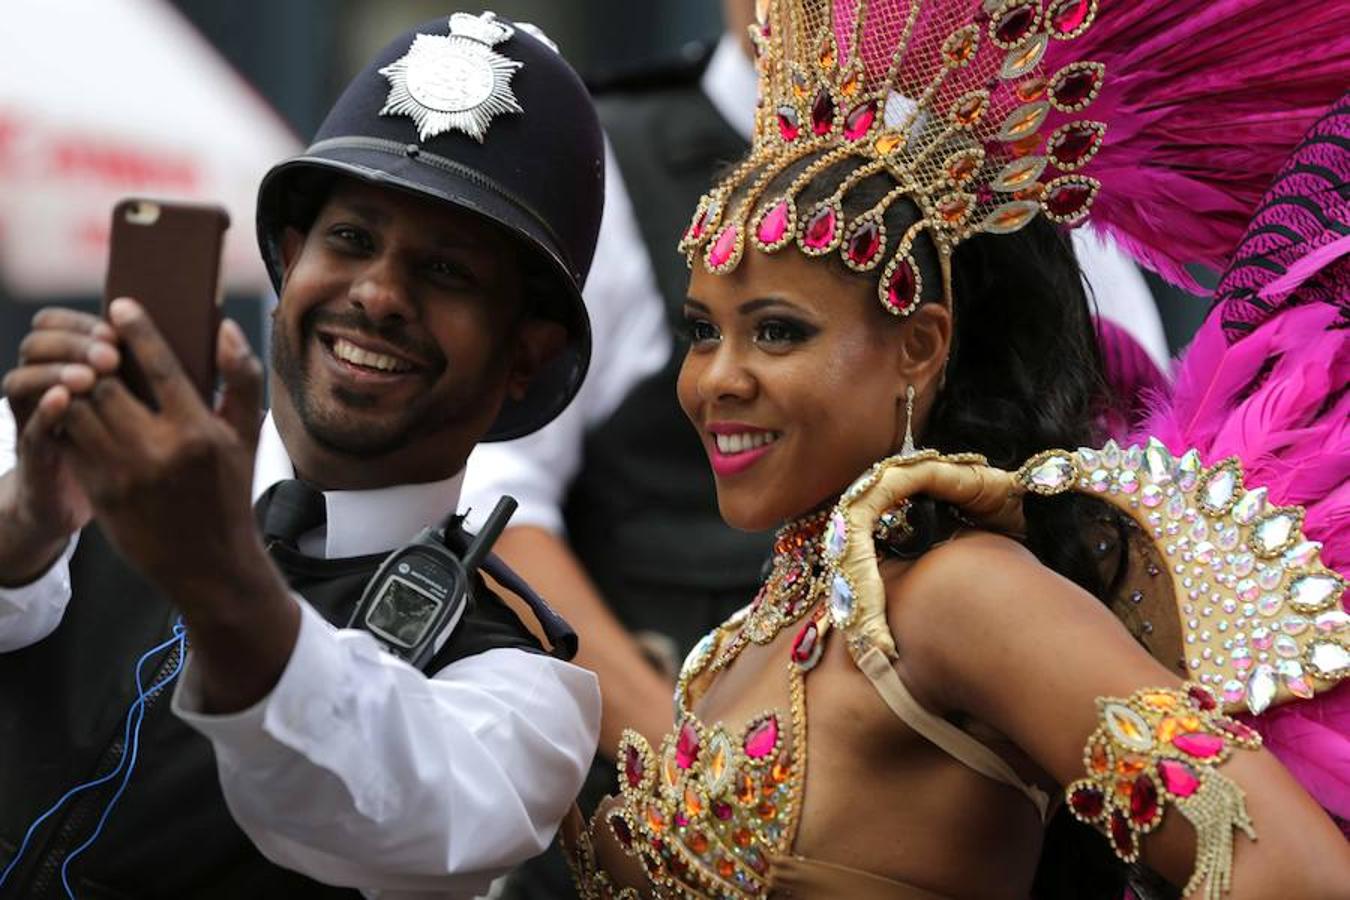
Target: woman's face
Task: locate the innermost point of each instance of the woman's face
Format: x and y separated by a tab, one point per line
794	381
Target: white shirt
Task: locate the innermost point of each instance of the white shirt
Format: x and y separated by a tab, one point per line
631	339
357	769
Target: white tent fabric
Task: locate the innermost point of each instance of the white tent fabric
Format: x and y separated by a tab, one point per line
101	99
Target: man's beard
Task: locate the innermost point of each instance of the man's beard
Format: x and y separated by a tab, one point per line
325	419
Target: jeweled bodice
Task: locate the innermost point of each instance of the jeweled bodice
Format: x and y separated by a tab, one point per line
708	811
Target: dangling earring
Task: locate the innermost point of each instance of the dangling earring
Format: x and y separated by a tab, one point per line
908	448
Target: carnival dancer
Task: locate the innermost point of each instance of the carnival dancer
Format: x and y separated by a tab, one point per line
947	652
429	250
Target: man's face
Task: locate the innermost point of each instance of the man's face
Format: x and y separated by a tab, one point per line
396	335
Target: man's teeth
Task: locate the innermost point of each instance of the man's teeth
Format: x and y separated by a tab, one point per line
349	352
739	443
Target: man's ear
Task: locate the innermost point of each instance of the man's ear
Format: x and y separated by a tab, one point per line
537	342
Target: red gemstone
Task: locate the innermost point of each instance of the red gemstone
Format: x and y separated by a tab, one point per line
1144	801
903	288
820	230
700	221
621	830
686	747
723	247
761	740
1201	697
1074	144
632	766
1179	778
805	642
865	244
1087	802
1121	834
1015	25
1075	87
859	120
822	113
1068	199
1198	744
789	125
774	224
1235	729
722	810
1069	15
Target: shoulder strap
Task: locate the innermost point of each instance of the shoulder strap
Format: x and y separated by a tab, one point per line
955	742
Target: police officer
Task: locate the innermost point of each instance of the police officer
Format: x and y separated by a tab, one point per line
429	250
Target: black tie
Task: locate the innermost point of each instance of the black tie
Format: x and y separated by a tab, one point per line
288	509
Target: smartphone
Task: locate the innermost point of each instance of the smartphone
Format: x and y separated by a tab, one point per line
166	256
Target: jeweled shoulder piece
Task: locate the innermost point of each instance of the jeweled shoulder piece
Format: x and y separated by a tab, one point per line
1164	746
454	82
1260	617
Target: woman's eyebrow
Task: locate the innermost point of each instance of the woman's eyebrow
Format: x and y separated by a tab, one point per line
753	306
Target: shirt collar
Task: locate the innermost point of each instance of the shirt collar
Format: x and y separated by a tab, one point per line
359	522
730	83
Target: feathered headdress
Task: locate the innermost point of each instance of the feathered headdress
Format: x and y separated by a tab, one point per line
1168	120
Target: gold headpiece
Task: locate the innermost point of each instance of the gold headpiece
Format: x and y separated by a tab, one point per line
948	98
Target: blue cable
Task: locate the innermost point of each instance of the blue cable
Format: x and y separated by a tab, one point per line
131	734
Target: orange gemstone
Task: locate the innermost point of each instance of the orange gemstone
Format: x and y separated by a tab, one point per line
1171	726
746	793
953	209
1023	146
656	820
1130	764
766	810
725	867
717	763
1097	759
1159	700
1124	787
698	842
693	804
1012	217
962	168
888	142
852	83
1025	123
800	86
1031	192
969	110
781	771
1031	90
826	58
742	837
960	47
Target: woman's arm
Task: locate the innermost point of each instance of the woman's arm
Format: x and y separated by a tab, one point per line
985	629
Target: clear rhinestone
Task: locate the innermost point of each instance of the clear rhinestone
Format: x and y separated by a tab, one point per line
1111	454
1247	590
1158	462
1242	659
1243	564
1226	536
1273	533
1269	577
1054	474
1099	480
1205	553
1219	490
1090	458
1286	646
1188	470
1329	659
836	534
1128	481
841	601
1233	690
1176	507
1151	496
1127	726
1331	622
1311	593
1292	672
1261	638
1302	554
1252	504
1199	530
1269	604
1260	689
1294	624
1133	458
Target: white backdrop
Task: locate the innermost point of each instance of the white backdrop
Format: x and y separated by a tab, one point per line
101	99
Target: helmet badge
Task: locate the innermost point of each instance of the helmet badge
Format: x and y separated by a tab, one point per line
454	82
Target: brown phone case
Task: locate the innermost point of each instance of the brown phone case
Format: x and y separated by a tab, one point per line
166	256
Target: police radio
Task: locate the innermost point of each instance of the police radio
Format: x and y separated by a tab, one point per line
420	592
